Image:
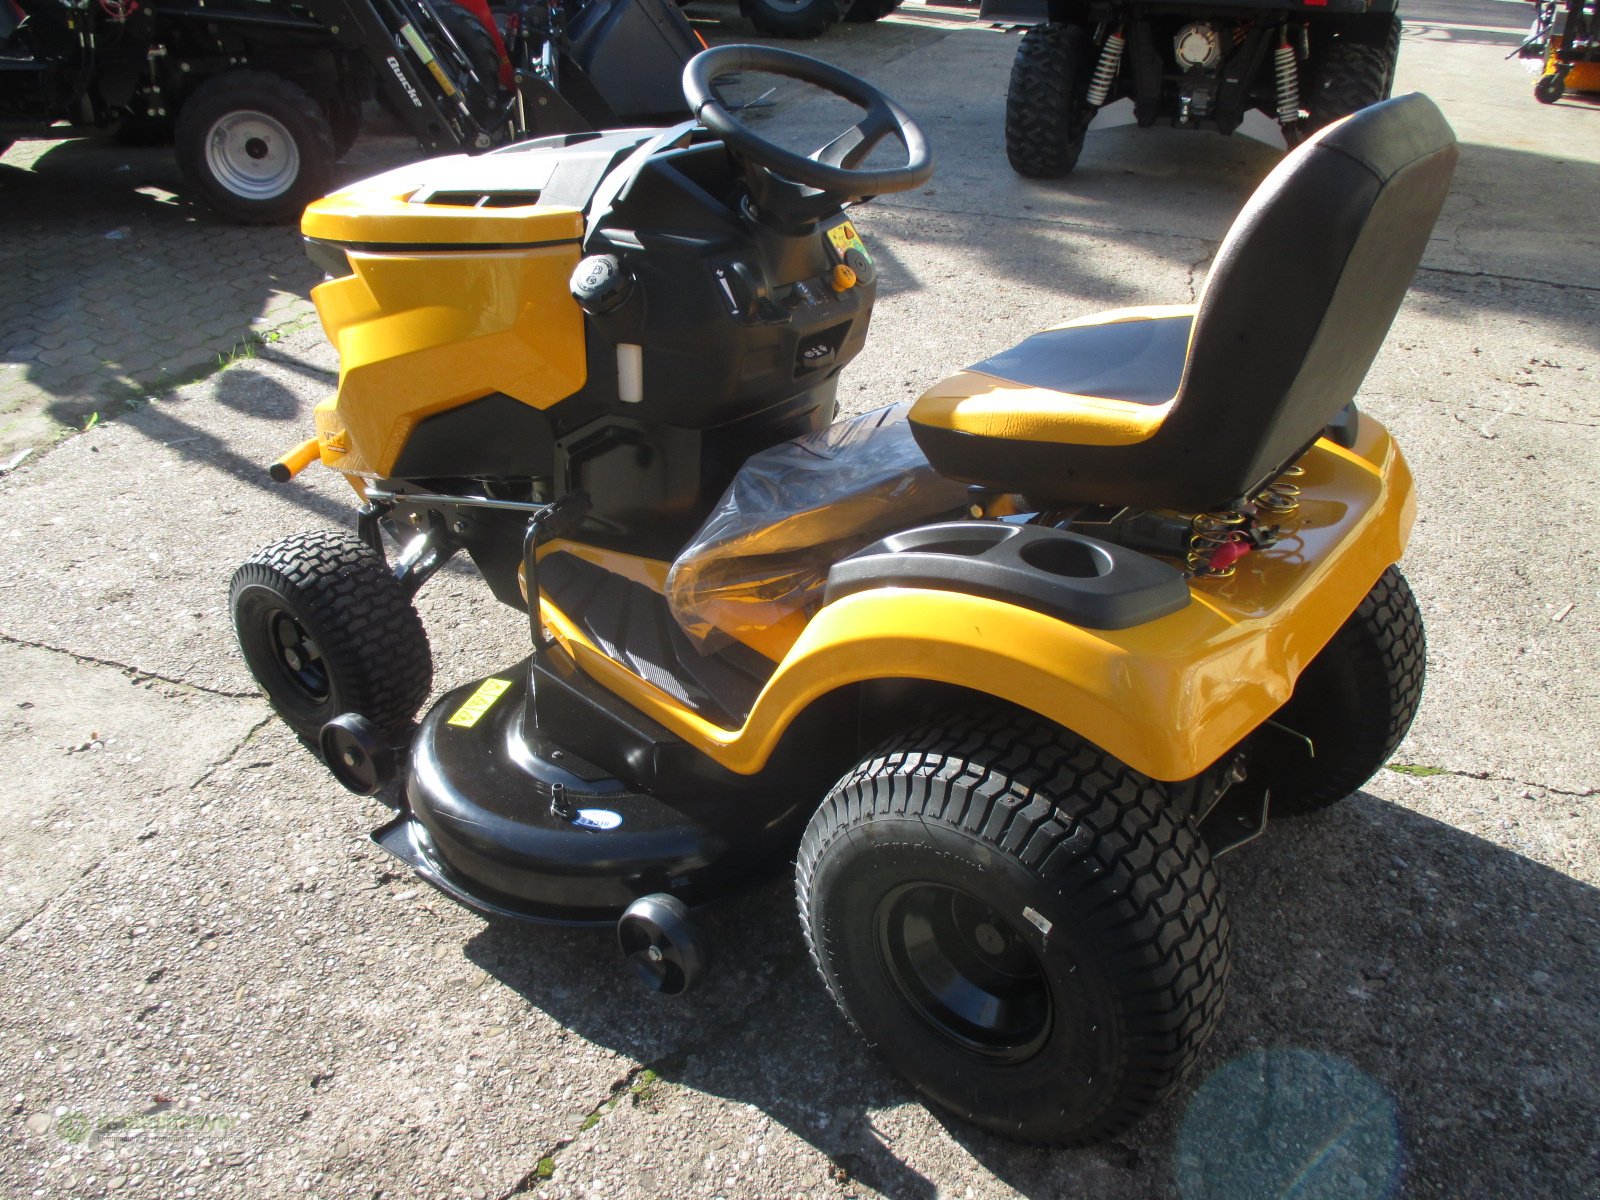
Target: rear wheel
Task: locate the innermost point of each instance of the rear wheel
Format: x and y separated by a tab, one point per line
793	18
1047	115
326	629
255	146
1351	76
1019	924
1351	707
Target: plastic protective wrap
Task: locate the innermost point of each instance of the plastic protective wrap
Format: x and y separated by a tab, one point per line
763	554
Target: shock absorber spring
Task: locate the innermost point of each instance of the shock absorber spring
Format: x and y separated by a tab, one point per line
1288	73
1105	71
1282	496
1209	533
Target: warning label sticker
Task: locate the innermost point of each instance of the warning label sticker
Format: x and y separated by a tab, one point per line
480	702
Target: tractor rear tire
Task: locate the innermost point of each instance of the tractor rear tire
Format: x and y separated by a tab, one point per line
1351	76
1354	703
326	629
1047	115
1025	929
255	146
794	18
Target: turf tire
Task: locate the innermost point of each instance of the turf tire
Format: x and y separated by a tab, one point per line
291	108
372	648
1084	865
1355	702
1046	113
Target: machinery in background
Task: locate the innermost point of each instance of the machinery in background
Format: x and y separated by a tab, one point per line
1567	38
1302	63
262	97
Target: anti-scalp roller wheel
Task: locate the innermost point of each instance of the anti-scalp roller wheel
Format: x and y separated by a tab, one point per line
660	942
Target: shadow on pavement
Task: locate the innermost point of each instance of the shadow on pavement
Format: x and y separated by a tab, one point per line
1521	215
120	288
1409	1004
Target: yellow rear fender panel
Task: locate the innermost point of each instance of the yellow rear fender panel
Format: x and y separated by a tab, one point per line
1168	697
421	333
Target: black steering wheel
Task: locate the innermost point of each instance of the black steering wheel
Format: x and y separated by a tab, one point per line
834	169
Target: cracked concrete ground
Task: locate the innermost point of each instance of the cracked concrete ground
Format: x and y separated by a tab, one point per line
213	985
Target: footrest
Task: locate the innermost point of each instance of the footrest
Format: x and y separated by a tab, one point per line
1078	579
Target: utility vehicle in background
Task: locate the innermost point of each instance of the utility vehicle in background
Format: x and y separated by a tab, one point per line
1207	65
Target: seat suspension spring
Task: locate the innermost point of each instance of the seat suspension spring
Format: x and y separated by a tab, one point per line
1282	496
1288	73
1105	71
1209	533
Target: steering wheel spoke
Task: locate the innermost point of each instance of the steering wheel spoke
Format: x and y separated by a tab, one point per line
852	147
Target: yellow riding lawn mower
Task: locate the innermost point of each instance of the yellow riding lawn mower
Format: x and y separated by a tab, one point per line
999	672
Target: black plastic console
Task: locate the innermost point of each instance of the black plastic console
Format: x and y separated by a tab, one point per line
1078	579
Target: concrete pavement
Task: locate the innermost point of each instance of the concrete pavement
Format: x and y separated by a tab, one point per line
212	985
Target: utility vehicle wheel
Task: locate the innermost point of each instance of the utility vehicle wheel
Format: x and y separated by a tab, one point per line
326	629
1019	924
1352	76
1354	703
870	10
793	18
1046	113
257	147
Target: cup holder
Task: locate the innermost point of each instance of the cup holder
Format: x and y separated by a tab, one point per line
1071	559
966	538
1079	579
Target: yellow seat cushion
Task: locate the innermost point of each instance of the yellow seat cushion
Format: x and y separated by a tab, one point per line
1104	380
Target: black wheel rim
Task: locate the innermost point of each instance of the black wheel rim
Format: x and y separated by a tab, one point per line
965	970
298	656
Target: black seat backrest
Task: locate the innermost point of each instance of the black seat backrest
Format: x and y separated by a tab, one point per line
1304	289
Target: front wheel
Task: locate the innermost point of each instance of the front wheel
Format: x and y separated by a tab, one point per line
256	147
326	629
1350	707
1020	925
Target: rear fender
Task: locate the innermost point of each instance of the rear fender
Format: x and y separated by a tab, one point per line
1168	697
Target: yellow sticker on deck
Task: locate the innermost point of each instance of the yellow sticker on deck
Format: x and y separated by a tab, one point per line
480	702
